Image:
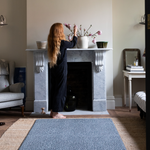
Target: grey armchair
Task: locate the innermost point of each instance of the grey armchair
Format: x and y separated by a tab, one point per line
10	93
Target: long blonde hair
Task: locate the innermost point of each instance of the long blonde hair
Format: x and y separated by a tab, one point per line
55	36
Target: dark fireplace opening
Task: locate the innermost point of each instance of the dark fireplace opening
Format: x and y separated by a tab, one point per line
79	82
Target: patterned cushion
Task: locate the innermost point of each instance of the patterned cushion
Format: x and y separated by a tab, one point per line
3	67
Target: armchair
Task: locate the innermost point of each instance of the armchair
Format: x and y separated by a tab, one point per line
10	93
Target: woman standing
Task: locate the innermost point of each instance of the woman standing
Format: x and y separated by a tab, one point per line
57	52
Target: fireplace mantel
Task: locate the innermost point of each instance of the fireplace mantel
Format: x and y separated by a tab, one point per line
94	55
39	56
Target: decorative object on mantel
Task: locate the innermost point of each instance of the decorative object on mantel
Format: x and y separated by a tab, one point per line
101	44
83	40
41	44
142	20
2	21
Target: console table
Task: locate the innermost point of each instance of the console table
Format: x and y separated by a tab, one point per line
131	75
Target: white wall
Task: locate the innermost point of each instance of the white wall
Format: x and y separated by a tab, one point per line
13	36
42	14
127	33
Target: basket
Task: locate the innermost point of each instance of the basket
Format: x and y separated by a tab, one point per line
41	44
101	44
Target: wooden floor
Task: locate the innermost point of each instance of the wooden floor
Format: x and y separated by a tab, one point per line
10	116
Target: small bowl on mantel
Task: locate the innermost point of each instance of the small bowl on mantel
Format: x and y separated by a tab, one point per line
41	44
101	44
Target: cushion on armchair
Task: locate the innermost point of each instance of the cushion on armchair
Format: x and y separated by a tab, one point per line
16	87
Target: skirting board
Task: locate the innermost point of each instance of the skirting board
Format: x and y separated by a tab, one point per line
29	104
119	101
111	103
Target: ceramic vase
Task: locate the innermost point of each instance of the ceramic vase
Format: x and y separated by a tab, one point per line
82	42
41	44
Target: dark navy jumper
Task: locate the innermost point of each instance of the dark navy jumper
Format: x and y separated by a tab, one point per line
59	77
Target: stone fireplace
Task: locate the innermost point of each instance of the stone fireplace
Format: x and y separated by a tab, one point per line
94	55
79	84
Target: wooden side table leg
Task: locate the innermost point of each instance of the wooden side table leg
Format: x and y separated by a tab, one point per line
22	110
130	94
124	102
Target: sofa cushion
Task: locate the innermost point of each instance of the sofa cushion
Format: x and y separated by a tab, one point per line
16	88
9	96
11	104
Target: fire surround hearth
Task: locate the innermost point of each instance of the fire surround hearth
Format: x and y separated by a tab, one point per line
94	55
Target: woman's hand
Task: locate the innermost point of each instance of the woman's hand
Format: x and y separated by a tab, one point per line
75	30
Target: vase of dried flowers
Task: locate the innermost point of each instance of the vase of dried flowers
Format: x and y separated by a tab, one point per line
83	36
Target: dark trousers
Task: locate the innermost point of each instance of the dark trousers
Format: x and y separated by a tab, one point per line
58	93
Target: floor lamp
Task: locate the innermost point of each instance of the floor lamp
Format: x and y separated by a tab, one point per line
2	23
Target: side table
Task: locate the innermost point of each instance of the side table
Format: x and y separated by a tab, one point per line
131	75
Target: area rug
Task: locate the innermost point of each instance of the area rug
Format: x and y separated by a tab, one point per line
73	134
131	130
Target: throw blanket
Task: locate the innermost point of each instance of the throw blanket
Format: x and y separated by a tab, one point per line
3	67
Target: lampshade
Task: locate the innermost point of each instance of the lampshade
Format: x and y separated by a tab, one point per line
2	21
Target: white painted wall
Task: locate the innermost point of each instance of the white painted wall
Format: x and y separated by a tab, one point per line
13	36
127	33
42	14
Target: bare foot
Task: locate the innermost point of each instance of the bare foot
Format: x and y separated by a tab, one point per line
56	115
51	114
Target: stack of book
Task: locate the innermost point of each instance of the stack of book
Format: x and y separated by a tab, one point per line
134	68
